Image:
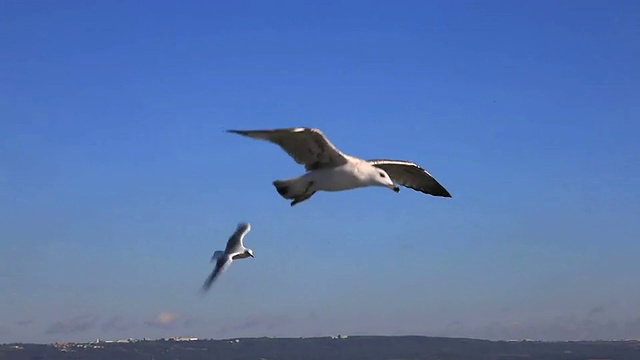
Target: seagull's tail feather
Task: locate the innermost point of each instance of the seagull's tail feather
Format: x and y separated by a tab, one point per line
288	188
216	255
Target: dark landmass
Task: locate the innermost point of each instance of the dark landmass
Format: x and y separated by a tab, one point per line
327	348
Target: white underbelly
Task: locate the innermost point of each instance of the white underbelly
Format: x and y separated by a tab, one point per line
336	179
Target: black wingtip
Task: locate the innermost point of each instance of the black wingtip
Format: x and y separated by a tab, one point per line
444	193
440	190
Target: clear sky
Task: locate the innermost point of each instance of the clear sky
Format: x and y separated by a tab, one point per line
117	180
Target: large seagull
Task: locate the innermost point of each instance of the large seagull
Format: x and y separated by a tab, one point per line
329	169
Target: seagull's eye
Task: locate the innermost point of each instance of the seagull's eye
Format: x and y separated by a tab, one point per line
381	175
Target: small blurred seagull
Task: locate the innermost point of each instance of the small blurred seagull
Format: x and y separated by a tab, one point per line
235	250
329	169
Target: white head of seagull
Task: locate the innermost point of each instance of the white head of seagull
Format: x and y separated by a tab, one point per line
329	169
381	178
234	250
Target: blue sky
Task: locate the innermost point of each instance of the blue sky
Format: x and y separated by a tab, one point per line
117	180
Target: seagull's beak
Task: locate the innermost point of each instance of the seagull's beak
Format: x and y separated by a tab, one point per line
394	187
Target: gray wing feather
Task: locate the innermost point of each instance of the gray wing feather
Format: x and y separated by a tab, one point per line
307	146
221	266
411	175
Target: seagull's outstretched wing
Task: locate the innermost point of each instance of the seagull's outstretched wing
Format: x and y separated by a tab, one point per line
221	266
235	243
307	146
411	175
